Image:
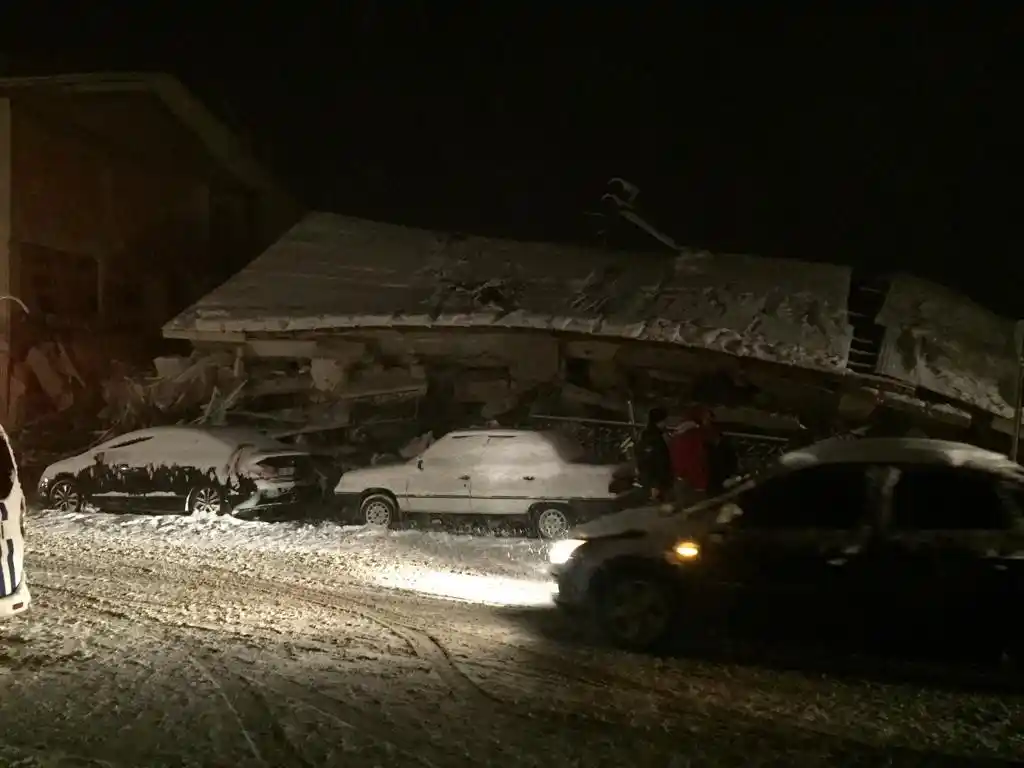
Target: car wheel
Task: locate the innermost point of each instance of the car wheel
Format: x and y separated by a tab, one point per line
636	610
379	510
65	497
205	501
551	523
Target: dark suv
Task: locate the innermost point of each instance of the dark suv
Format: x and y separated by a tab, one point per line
878	541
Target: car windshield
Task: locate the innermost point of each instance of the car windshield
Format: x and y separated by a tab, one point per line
240	436
707	510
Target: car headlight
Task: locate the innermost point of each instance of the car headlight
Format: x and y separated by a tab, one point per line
561	551
685	550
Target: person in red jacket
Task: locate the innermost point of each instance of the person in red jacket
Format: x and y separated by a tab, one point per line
689	451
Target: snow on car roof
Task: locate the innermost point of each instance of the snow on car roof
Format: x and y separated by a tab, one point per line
900	450
497	432
231	435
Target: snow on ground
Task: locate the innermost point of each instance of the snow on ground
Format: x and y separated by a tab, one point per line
483	569
172	641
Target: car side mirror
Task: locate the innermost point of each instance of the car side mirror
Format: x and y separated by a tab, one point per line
419	463
726	520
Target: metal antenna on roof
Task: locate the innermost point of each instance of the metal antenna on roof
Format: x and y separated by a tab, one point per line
625	207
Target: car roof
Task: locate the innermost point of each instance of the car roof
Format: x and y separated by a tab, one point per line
225	434
497	432
900	450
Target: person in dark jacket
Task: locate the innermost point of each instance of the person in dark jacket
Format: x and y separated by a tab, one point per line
722	461
653	463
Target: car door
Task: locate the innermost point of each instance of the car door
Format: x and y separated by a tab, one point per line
114	480
442	479
945	555
165	470
789	547
516	471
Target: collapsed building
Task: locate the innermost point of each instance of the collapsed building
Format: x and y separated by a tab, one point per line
368	338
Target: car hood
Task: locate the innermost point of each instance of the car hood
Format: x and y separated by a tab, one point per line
638	519
691	520
69	466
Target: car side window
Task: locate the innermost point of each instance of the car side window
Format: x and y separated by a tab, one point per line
455	449
832	497
520	450
947	499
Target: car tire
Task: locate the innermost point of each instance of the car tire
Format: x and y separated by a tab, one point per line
206	501
551	522
64	496
379	510
636	609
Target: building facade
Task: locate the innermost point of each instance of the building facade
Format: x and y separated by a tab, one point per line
122	201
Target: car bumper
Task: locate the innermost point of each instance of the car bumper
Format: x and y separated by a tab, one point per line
16	603
570	587
278	495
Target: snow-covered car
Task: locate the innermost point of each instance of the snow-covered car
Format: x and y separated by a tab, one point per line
878	538
510	473
14	594
194	470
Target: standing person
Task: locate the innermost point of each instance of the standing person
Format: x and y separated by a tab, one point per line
688	449
653	464
722	460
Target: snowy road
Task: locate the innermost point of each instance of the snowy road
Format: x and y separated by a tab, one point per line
170	641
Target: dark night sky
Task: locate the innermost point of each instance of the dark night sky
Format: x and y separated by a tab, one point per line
879	138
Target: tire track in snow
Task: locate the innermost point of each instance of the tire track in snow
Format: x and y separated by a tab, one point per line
690	705
556	668
420	642
242	693
243	698
356	720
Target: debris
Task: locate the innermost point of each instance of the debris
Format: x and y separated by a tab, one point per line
416	446
328	373
289	348
171	367
44	361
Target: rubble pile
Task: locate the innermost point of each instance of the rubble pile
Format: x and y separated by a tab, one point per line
387	398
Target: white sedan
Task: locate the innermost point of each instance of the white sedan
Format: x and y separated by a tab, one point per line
510	473
14	595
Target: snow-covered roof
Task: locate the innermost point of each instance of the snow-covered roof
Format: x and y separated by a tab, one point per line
900	450
335	272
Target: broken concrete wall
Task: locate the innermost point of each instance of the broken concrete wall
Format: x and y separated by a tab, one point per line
431	381
942	341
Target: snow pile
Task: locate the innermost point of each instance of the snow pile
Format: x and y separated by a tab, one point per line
332	271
